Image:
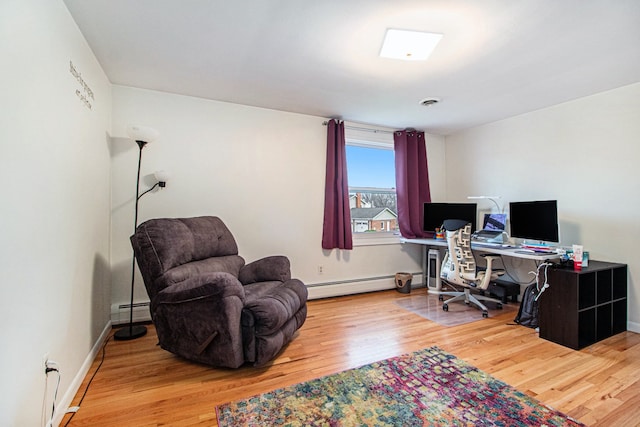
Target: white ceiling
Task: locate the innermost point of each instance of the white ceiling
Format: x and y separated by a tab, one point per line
498	58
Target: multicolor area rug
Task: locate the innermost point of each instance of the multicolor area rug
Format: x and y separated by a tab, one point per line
426	388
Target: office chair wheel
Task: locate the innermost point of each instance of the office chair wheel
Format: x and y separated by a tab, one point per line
445	307
440	297
499	306
485	313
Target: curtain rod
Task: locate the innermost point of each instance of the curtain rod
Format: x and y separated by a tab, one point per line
363	129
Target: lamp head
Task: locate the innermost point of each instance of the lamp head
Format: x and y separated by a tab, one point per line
142	134
162	177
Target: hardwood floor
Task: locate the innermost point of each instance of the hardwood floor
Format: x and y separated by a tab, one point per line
139	384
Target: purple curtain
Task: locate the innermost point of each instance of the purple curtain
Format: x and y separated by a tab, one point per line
412	181
336	228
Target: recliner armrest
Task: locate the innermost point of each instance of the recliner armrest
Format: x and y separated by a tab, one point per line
214	285
275	267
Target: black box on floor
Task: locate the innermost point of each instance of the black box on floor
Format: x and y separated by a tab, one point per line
503	290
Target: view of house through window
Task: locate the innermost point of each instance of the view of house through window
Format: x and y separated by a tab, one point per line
372	193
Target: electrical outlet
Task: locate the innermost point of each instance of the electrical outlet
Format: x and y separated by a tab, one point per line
320	269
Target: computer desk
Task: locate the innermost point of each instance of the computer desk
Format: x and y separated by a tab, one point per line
508	251
564	318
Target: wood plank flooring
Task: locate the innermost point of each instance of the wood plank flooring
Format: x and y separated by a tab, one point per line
139	384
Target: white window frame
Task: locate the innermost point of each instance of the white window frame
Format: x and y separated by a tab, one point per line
380	237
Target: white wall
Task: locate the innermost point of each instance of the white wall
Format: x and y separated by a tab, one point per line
54	169
261	171
583	153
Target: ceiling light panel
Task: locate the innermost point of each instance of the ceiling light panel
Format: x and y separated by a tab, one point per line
409	45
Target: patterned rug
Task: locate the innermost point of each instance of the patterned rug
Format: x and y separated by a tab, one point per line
427	388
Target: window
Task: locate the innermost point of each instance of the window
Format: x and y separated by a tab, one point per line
372	194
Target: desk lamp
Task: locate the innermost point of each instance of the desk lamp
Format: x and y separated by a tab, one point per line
492	198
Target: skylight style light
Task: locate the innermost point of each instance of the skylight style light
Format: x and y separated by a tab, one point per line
409	45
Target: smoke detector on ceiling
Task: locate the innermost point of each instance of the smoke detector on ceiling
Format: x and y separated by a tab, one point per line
429	101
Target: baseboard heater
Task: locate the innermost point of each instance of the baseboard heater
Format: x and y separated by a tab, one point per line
357	286
120	312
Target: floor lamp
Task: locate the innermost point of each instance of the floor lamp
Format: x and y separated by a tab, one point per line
142	135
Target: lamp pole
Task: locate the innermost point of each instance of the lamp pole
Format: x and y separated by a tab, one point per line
133	331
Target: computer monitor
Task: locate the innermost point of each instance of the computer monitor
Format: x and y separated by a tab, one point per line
436	213
535	220
494	222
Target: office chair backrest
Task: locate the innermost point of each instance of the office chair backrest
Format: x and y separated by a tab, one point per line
459	243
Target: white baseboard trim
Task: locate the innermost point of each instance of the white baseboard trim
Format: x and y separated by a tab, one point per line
68	396
633	327
357	286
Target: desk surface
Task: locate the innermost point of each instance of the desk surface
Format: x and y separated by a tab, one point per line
510	251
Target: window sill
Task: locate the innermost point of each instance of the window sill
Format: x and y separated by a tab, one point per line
376	239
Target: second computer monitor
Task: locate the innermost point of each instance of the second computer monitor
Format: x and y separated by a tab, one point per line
436	213
535	220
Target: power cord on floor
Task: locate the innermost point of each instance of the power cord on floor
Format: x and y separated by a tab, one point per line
50	366
74	409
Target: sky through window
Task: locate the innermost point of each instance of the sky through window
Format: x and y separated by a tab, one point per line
370	167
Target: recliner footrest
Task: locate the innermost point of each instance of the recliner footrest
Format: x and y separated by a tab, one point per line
270	317
271	310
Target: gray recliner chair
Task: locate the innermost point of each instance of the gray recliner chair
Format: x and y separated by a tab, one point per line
206	304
